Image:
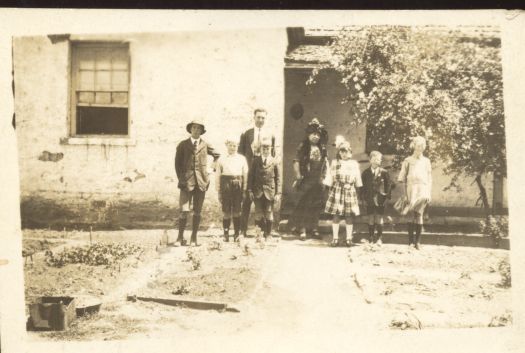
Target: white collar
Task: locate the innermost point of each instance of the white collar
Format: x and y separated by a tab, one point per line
193	140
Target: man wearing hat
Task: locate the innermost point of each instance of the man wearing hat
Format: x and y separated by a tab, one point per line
191	161
249	147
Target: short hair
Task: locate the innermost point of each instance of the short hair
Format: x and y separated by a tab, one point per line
231	140
259	110
375	153
418	140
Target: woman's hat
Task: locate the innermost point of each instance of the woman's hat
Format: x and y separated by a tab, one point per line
316	126
195	122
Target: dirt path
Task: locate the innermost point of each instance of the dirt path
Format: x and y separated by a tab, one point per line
306	288
310	289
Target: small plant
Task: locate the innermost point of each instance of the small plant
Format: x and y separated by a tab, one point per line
94	255
504	271
246	250
465	275
496	227
181	290
501	320
215	244
405	321
192	256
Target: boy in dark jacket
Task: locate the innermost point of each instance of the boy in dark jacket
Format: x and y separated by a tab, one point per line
264	186
375	191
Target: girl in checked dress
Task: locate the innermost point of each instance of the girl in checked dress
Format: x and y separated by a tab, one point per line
342	200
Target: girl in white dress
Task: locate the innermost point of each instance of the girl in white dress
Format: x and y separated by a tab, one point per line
416	174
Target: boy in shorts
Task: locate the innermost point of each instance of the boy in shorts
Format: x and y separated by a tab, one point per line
231	184
264	186
376	190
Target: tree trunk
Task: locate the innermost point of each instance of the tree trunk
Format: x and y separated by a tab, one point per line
483	196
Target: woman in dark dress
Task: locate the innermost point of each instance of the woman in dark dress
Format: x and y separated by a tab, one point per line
310	167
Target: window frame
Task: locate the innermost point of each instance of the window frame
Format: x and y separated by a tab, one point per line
73	82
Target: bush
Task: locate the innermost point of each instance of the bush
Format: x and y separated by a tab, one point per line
496	227
95	254
504	271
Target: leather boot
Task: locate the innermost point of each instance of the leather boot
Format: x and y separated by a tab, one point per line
236	227
194	230
379	228
371	233
419	227
180	238
226	227
410	234
268	229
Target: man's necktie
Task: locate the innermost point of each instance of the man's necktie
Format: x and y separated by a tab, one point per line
264	162
195	146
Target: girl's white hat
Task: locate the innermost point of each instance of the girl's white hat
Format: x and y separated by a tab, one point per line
341	143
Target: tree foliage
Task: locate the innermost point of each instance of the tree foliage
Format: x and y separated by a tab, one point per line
445	86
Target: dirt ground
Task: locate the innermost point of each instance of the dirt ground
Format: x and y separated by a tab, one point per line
436	287
214	271
278	287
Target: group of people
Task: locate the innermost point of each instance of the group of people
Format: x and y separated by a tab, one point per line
250	173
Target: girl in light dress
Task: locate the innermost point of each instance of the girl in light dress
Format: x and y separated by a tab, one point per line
416	174
342	202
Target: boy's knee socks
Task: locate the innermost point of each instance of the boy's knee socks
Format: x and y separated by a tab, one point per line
268	229
371	228
195	227
182	226
379	228
236	225
226	225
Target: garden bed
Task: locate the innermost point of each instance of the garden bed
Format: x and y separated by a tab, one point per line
214	271
436	287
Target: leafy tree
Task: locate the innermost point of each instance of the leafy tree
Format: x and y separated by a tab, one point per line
443	85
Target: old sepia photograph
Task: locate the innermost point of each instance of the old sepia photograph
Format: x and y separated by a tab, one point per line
334	179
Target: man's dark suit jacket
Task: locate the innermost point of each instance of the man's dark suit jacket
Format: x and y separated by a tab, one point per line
245	145
378	186
264	179
191	166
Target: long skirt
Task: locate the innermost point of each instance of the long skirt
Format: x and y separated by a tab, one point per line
309	207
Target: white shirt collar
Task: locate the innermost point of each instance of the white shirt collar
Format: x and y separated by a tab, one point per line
193	140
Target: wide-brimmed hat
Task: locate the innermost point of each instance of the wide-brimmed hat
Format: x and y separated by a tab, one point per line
195	122
316	126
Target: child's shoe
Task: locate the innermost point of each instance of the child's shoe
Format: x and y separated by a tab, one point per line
302	236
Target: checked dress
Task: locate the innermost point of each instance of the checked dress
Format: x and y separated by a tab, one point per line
342	197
